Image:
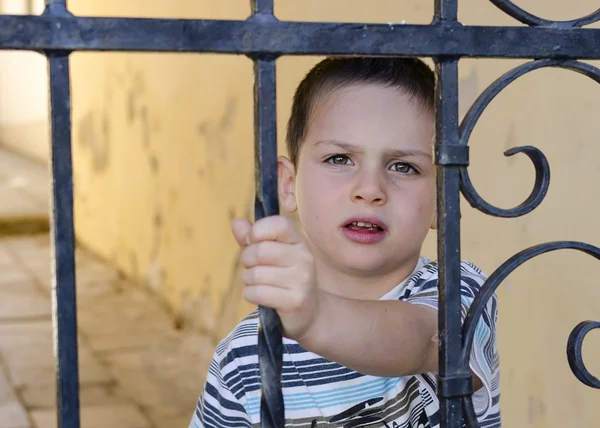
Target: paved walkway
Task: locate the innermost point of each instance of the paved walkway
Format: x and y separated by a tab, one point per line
24	185
136	369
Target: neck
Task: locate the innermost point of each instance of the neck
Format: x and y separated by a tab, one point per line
362	286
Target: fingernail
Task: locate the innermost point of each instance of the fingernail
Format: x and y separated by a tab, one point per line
247	239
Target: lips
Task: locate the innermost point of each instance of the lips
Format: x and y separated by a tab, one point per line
364	229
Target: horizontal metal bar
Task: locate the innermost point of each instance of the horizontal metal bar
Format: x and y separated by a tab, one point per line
255	36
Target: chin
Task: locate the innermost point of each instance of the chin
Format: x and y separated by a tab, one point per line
364	266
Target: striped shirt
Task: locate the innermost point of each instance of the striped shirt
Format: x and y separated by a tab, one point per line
321	393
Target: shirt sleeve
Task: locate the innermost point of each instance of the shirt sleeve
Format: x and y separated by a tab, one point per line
218	406
484	359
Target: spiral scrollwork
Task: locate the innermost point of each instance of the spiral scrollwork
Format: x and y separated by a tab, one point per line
525	17
488	289
574	353
542	169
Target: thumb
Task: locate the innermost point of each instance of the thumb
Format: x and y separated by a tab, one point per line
241	231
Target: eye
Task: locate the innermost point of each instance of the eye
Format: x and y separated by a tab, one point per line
404	168
339	160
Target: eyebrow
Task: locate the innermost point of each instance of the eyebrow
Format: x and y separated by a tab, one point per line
392	153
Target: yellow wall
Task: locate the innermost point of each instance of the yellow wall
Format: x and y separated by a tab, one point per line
24	95
164	160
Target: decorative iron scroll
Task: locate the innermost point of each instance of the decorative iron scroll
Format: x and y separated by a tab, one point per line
540	188
263	38
488	289
528	18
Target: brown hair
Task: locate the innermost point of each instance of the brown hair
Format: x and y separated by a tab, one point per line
410	75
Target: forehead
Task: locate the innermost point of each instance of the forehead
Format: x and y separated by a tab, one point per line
371	114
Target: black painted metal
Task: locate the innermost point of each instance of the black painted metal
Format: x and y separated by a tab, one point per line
450	376
574	354
542	169
263	38
531	19
262	6
64	299
269	335
490	286
294	38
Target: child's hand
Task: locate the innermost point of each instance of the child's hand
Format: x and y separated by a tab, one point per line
279	271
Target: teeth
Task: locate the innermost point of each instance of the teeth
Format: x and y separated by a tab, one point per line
362	224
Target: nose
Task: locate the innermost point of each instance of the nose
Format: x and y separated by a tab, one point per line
369	187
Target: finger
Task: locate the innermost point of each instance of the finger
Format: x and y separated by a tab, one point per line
241	231
268	253
275	228
271	275
271	297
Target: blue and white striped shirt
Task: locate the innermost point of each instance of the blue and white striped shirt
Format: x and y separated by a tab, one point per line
322	393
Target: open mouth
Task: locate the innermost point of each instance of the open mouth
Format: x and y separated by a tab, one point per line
361	226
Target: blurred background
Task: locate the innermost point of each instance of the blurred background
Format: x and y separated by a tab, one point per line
163	162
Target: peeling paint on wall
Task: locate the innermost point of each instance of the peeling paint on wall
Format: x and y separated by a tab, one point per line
94	137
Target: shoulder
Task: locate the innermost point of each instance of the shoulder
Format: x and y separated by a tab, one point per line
241	341
425	278
243	334
235	361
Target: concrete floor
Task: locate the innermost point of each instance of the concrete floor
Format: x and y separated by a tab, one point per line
136	369
24	186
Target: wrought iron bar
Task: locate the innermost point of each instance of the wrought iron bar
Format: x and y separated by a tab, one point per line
530	19
270	345
252	36
64	293
533	201
542	169
56	8
262	7
574	353
445	10
488	289
452	381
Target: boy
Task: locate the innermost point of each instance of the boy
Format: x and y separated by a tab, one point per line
357	301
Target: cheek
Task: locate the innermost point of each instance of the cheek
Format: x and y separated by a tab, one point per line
317	197
425	207
423	201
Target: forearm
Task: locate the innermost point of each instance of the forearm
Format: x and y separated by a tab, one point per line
379	338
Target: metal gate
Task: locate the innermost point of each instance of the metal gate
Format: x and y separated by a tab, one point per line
57	33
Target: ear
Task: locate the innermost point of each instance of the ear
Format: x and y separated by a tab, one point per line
434	218
286	174
433	224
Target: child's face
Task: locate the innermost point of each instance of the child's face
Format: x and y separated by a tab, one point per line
366	158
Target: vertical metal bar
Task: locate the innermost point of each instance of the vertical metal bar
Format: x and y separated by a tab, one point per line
446	10
63	237
448	200
56	7
270	345
262	6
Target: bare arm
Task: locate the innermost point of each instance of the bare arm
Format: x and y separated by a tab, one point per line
381	338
